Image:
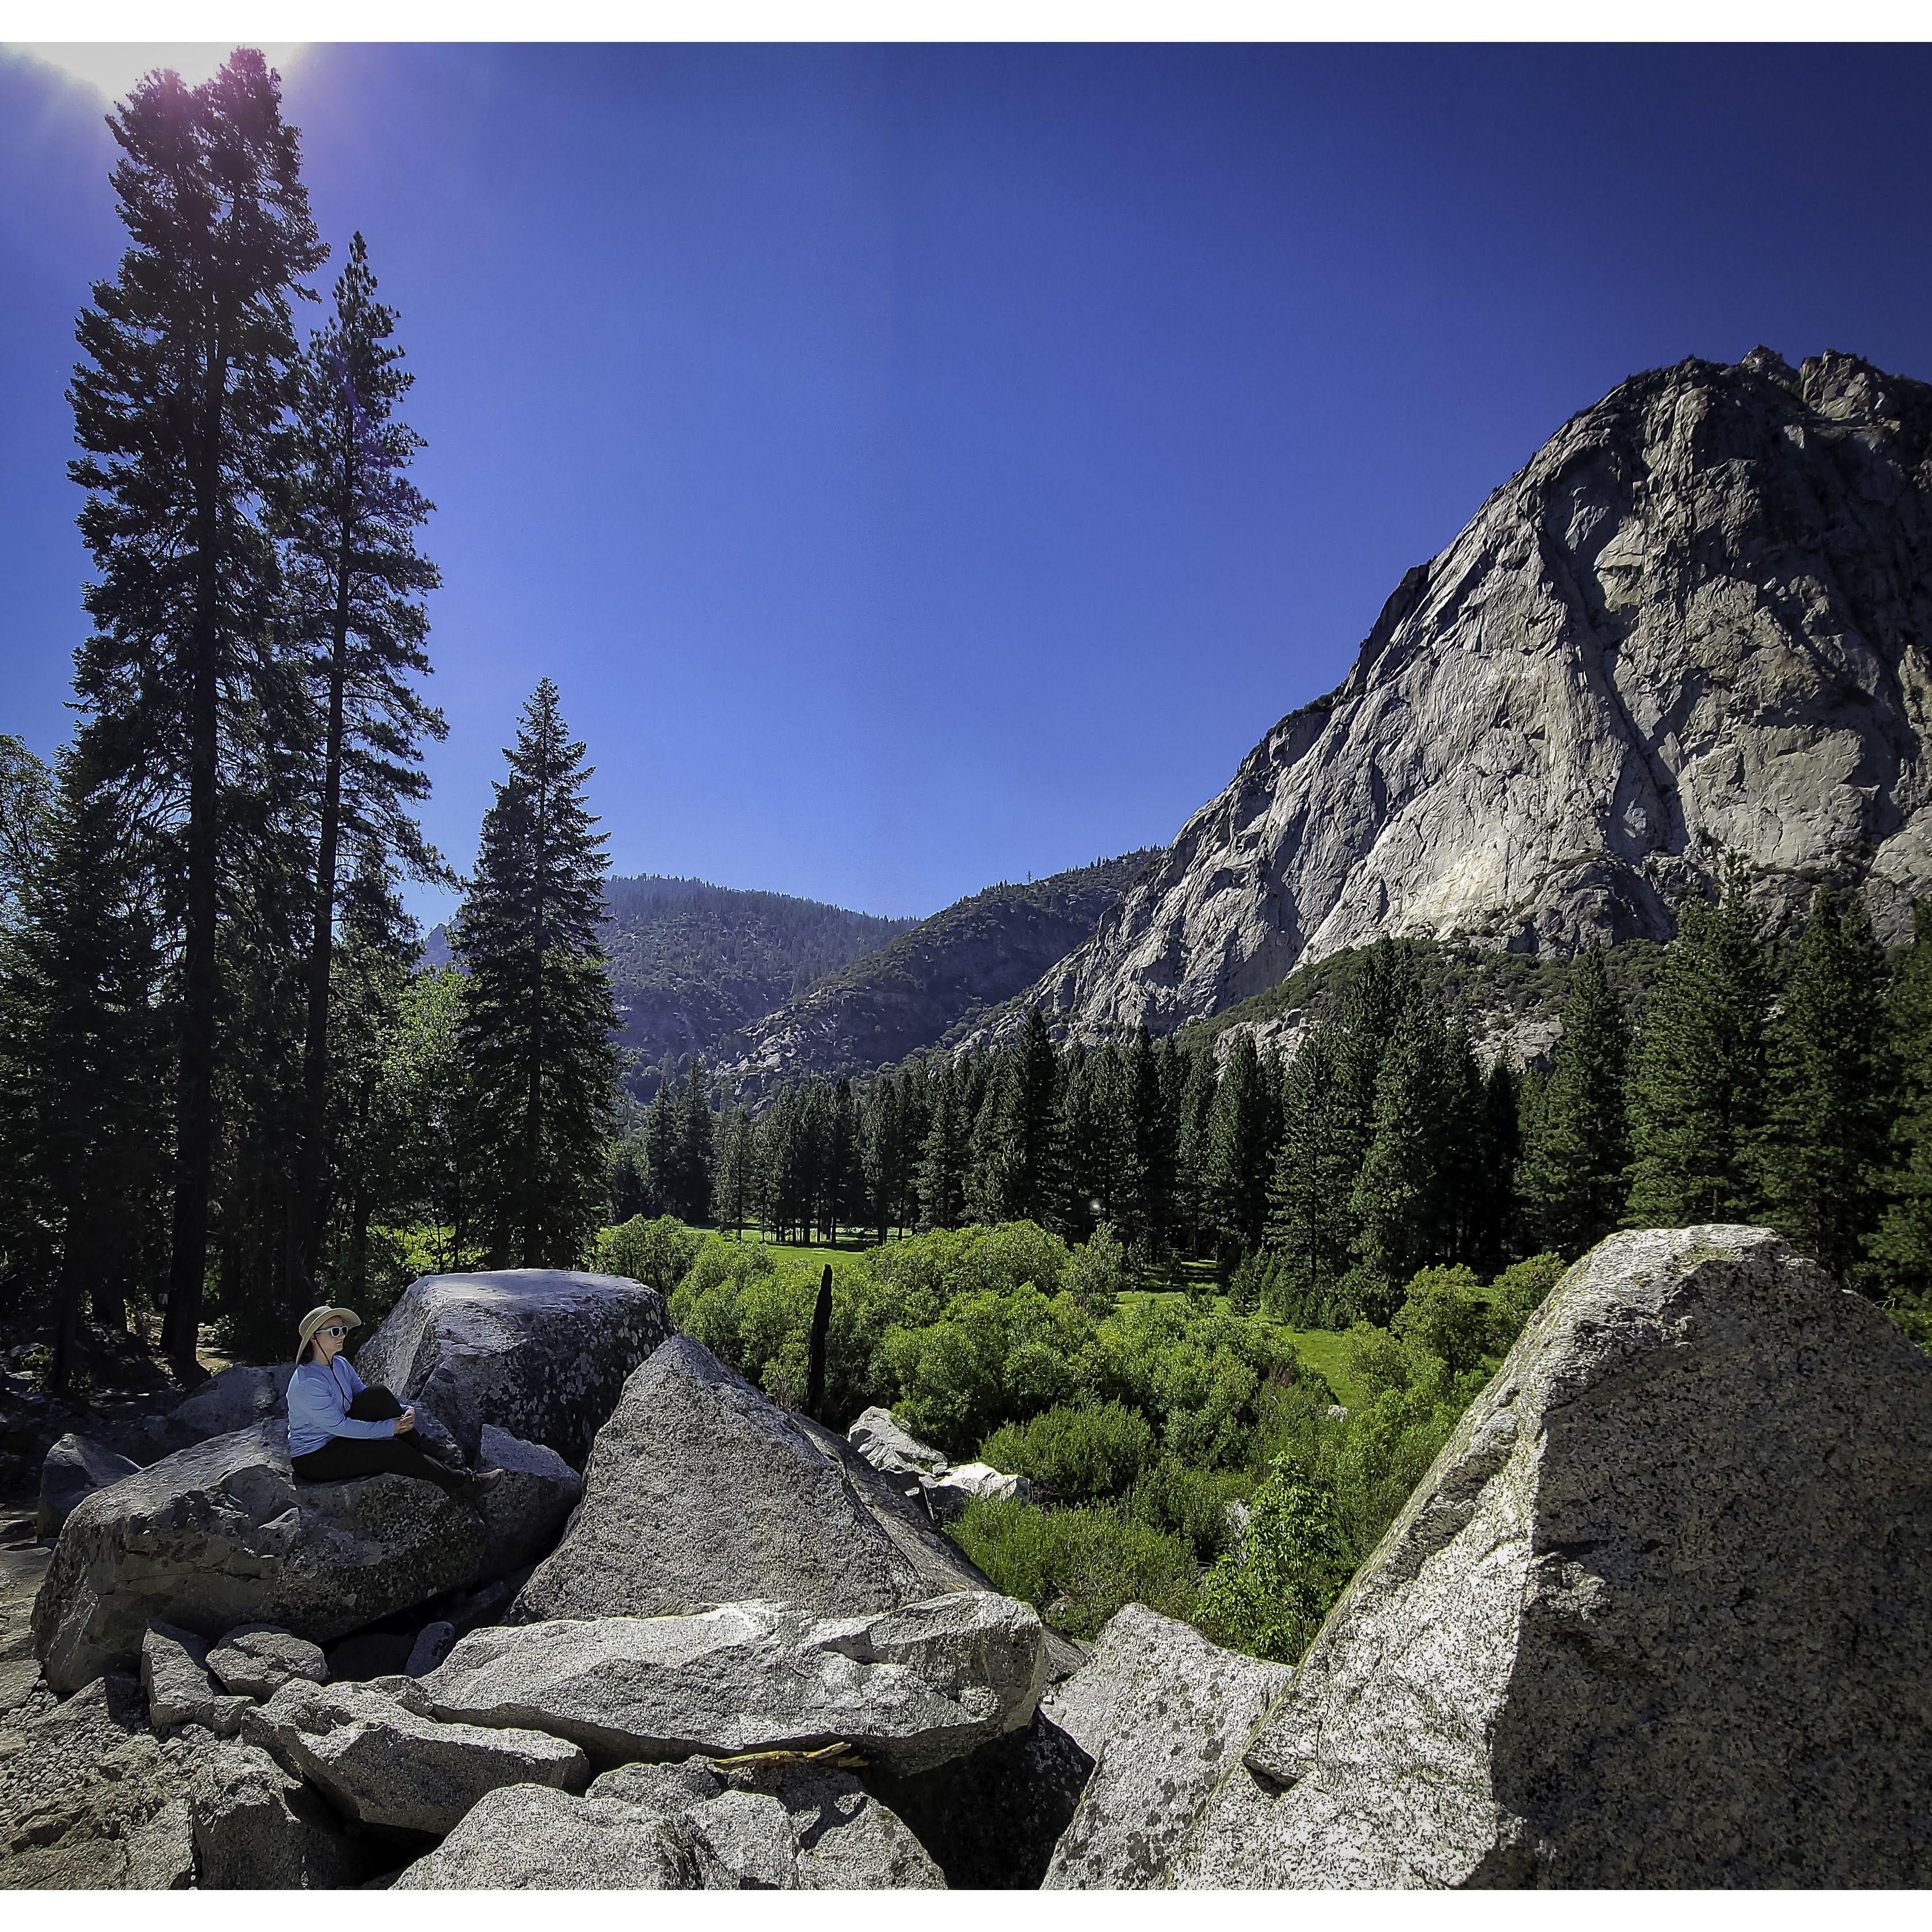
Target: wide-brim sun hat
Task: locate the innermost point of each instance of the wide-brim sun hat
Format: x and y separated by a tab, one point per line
316	1317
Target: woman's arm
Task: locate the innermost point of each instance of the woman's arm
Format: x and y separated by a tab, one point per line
316	1402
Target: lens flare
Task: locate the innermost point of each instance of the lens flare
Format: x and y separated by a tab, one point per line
113	66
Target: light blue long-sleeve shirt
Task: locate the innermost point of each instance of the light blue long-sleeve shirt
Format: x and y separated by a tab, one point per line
319	1398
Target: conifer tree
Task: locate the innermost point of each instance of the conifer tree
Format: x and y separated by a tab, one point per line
882	1155
82	1072
1241	1145
1018	1162
1405	1202
661	1139
841	1184
349	516
1193	1202
539	1020
942	1157
179	405
1573	1182
736	1179
1153	1139
1901	1248
1697	1092
1830	1090
1496	1230
695	1134
1309	1226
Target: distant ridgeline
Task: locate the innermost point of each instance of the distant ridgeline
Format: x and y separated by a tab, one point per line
930	985
693	963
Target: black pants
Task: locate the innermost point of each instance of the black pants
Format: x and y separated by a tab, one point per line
343	1456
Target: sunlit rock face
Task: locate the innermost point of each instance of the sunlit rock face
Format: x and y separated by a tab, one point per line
1700	618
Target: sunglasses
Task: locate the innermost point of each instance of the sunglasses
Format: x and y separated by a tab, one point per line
337	1329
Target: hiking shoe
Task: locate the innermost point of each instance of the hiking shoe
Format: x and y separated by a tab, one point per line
480	1485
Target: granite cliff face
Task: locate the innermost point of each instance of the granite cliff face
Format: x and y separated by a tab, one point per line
1701	618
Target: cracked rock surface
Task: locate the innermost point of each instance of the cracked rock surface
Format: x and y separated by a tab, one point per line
1163	1714
908	1688
685	1827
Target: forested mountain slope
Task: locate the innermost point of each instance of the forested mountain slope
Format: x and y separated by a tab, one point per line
1698	619
911	993
693	963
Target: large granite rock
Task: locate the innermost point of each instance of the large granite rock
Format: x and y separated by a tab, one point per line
238	1397
1660	1615
381	1765
1693	622
90	1799
525	1513
221	1535
701	1491
907	1688
75	1466
689	1826
992	1818
257	1827
540	1352
1163	1714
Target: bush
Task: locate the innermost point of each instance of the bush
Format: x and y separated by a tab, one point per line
1076	1566
1268	1597
1190	1504
1096	1272
1516	1294
994	1358
1082	1454
654	1253
1446	1314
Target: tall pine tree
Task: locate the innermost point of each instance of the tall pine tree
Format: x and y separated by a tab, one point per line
539	1021
1572	1183
1697	1092
1830	1090
179	405
349	518
1241	1145
1901	1247
82	1071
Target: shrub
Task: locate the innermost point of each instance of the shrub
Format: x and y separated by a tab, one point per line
1189	1503
1446	1314
1080	1454
1516	1294
654	1253
1097	1272
1076	1566
1269	1596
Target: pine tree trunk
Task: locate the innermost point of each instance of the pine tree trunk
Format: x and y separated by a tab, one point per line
195	1102
306	1231
66	1307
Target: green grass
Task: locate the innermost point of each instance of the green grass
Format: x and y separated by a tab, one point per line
1321	1349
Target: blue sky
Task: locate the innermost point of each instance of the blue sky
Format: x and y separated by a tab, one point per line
923	466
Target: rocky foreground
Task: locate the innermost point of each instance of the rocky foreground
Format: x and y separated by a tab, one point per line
1660	1615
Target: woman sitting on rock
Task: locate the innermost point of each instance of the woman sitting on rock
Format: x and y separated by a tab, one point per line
339	1427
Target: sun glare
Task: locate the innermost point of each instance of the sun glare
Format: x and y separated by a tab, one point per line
113	66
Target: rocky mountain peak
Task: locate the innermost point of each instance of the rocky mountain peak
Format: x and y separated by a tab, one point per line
1697	621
